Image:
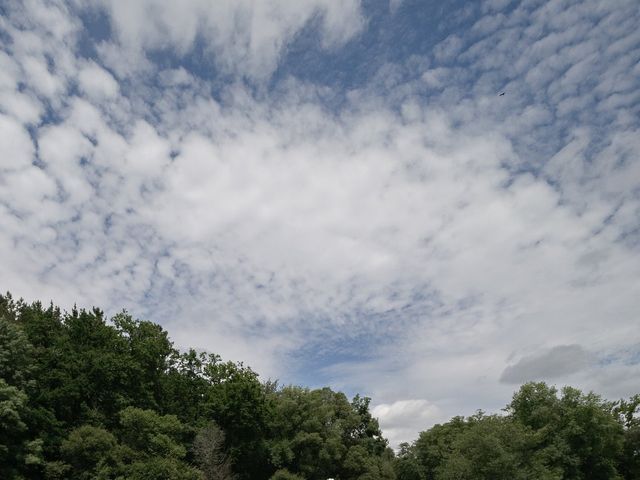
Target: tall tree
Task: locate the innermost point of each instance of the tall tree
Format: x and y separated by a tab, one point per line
20	449
406	464
628	413
319	434
580	434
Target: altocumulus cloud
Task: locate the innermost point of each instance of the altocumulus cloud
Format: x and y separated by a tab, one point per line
403	232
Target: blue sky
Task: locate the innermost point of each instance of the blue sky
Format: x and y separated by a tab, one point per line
334	192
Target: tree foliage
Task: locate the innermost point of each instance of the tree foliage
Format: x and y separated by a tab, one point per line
320	434
82	396
544	434
85	397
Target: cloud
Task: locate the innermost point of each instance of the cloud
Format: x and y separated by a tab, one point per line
394	5
448	48
557	362
245	38
16	147
95	81
402	239
404	419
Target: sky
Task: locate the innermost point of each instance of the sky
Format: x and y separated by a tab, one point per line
337	193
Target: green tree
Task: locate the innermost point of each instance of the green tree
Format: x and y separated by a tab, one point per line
628	412
12	429
435	445
578	433
285	474
150	352
237	402
319	434
16	353
494	448
20	449
362	465
406	465
184	385
151	446
86	448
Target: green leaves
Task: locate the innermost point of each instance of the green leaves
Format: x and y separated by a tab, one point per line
319	434
86	448
544	435
578	433
19	451
147	445
84	398
153	434
12	407
15	353
628	413
285	474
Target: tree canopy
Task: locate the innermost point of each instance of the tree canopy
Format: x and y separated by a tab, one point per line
82	396
85	397
543	434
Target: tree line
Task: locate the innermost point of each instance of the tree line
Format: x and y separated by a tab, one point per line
85	397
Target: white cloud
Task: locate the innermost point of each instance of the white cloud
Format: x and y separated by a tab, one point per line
44	82
243	37
469	231
448	48
23	107
148	153
16	147
97	83
434	77
404	419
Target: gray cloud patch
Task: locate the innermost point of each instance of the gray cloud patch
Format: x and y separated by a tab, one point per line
553	363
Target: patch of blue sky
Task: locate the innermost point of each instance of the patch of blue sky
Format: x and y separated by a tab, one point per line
634	357
97	29
628	356
389	37
361	337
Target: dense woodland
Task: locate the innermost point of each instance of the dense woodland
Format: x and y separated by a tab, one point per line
83	397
